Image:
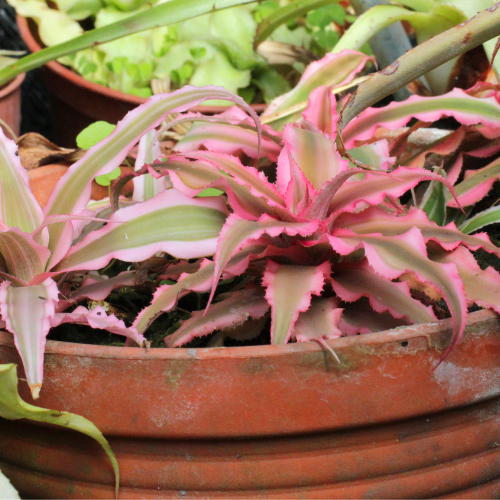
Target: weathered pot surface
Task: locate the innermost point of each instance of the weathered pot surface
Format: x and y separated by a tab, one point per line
78	102
10	104
270	421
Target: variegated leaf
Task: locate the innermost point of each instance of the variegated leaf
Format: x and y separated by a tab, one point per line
235	310
356	281
28	312
73	190
18	206
289	290
394	255
169	222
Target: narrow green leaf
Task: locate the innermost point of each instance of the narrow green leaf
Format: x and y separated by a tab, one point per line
12	407
490	216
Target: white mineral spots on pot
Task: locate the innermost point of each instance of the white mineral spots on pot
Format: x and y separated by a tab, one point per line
454	378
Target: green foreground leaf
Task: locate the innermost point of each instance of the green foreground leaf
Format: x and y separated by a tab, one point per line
12	407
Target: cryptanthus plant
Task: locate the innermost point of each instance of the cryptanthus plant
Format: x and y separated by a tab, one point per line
37	247
326	248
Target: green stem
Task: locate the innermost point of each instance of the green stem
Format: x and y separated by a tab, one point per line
165	14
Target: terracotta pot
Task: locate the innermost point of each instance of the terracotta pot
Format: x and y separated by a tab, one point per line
76	102
271	421
44	179
10	105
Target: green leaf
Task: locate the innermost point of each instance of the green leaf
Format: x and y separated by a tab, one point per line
490	216
93	134
284	14
271	83
324	16
105	180
12	407
165	14
209	192
326	39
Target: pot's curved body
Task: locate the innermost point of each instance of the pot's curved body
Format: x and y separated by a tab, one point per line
271	421
10	104
76	102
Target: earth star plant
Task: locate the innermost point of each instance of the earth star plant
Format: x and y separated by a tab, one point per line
308	239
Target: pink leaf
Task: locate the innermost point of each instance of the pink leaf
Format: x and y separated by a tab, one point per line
231	139
72	192
97	318
374	188
321	111
476	185
392	256
315	154
358	280
320	321
237	232
376	220
481	287
23	257
299	191
466	109
235	310
169	222
289	290
98	287
28	313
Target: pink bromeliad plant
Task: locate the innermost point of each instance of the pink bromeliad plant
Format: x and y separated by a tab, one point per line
311	237
324	237
36	246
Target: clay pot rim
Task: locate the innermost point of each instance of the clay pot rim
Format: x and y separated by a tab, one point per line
396	335
12	85
79	81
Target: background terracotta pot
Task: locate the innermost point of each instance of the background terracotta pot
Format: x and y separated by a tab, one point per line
271	421
10	104
44	179
76	102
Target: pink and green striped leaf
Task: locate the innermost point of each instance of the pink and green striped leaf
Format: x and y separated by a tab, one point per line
98	319
146	186
170	222
480	220
466	109
165	298
476	185
392	256
22	256
18	206
373	189
481	286
299	191
288	291
73	190
374	220
247	176
237	232
332	70
321	110
315	154
356	281
320	321
230	139
228	313
28	312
